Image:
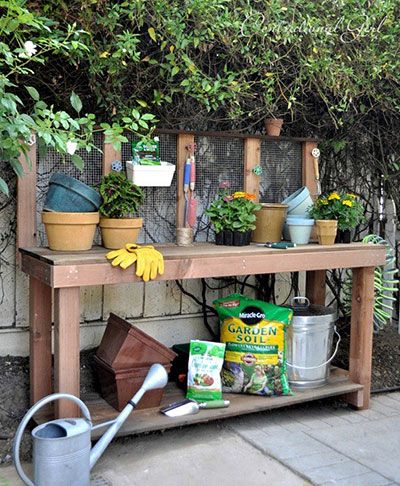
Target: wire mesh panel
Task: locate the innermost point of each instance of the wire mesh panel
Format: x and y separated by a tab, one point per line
218	159
52	161
159	209
282	169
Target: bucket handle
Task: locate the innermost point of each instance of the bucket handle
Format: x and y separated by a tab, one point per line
323	364
300	302
29	415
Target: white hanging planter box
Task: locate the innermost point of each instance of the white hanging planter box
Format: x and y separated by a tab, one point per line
150	175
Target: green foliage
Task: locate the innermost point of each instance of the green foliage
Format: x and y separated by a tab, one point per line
385	285
121	198
28	41
343	207
232	211
250	59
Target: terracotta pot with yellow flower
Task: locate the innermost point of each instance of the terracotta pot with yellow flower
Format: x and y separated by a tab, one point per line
336	211
233	216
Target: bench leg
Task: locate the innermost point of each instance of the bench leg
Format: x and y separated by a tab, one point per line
362	310
316	287
66	348
39	339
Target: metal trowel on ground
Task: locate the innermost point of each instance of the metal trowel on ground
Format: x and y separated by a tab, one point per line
190	407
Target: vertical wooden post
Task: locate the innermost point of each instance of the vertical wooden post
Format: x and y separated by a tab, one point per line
39	339
252	154
316	287
66	348
183	140
109	155
26	200
308	172
362	311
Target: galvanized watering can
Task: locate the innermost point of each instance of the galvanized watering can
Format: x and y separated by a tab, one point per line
62	454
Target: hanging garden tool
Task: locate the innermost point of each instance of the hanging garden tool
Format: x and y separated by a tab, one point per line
316	153
186	187
192	206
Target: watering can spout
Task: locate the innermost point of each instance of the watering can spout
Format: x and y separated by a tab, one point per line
157	377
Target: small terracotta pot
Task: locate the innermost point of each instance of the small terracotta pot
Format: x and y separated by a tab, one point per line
326	231
273	126
70	231
116	233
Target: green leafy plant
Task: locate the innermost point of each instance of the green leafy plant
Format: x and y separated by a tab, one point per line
27	41
121	198
233	211
343	207
385	285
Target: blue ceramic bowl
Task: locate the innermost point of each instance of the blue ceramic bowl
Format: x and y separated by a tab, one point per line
68	195
298	202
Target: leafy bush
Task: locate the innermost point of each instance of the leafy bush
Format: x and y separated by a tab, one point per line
28	40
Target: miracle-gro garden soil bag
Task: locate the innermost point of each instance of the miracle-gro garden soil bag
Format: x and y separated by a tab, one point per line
255	337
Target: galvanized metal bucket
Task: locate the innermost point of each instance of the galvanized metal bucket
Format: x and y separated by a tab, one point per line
309	344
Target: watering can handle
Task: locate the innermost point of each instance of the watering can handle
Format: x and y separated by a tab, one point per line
26	419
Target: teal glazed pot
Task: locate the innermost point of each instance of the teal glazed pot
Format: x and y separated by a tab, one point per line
67	194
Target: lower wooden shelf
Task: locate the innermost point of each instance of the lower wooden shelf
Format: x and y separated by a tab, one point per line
141	421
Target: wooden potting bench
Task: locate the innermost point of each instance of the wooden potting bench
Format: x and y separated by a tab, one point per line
55	279
64	274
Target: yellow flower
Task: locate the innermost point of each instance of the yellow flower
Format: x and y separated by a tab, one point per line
347	202
104	54
351	196
333	195
237	195
324	201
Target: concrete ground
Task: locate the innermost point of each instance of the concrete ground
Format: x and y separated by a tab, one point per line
322	443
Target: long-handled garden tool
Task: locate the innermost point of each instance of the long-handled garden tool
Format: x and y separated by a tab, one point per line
189	188
315	154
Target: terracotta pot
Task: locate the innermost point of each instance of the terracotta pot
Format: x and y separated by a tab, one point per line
70	231
326	231
269	223
117	232
273	126
117	387
124	346
123	359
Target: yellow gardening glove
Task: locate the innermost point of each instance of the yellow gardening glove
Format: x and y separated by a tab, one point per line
122	257
149	263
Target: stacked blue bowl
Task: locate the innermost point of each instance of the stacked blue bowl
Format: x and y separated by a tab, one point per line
298	226
67	194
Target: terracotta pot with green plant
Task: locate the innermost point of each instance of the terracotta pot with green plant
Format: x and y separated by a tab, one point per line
233	216
121	201
335	211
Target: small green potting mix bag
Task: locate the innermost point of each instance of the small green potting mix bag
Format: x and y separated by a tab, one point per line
255	337
146	151
205	363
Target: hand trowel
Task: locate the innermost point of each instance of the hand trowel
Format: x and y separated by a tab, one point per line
190	407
